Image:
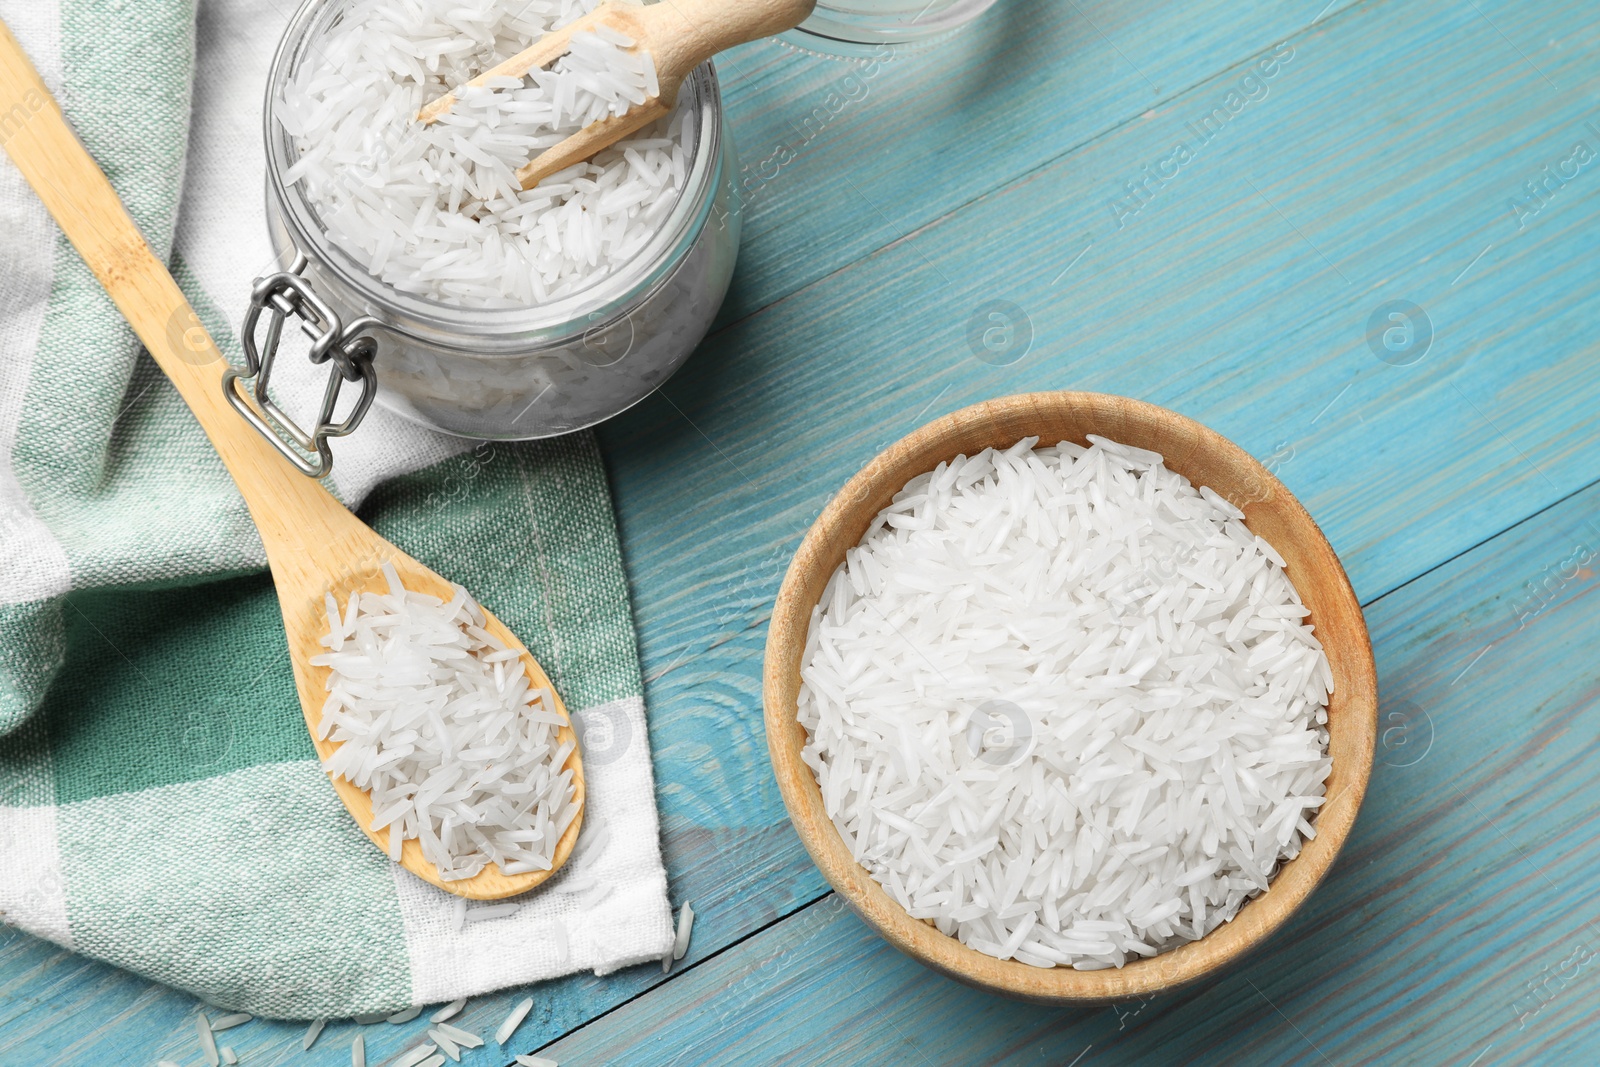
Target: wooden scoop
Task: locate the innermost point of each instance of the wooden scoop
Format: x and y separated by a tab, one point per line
314	544
679	35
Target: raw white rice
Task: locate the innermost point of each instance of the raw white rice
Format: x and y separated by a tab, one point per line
208	1043
461	1037
442	726
449	1011
558	930
1063	705
447	1046
680	943
514	1020
228	1055
228	1022
311	1033
596	836
405	1016
416	1055
434	210
536	1061
596	896
358	1052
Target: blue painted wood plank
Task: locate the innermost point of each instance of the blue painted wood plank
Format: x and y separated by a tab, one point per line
843	157
1459	923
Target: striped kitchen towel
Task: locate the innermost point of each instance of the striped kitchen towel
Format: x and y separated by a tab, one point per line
160	804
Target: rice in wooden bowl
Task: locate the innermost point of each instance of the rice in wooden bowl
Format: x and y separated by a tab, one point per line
1260	764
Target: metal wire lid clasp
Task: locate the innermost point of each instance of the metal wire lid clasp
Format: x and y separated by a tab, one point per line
281	295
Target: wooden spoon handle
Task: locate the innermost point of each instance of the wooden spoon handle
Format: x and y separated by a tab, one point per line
78	195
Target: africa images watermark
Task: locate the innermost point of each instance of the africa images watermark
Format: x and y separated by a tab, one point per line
15	117
605	733
999	733
1552	980
1538	191
1551	582
1252	88
1399	333
1405	733
999	332
850	90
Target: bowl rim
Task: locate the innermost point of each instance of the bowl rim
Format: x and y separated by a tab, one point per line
1353	706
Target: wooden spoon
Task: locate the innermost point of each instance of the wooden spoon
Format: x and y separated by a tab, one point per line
679	35
314	544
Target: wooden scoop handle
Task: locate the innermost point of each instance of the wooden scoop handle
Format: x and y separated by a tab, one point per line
685	33
679	35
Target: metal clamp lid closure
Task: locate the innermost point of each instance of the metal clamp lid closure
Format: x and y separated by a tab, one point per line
281	295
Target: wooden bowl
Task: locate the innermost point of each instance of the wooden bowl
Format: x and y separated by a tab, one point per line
1206	458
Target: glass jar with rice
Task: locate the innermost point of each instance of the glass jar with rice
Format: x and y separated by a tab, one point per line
492	312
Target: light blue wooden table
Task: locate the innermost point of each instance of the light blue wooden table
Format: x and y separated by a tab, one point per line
1416	151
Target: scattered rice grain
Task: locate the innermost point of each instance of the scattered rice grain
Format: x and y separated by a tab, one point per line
680	943
449	1011
512	1021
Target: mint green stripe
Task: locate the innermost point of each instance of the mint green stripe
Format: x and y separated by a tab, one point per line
249	889
172	685
129	104
30	654
26	777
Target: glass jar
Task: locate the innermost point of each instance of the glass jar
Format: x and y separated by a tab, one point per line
515	373
844	26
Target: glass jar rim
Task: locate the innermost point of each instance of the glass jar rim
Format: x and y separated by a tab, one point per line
856	32
568	316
